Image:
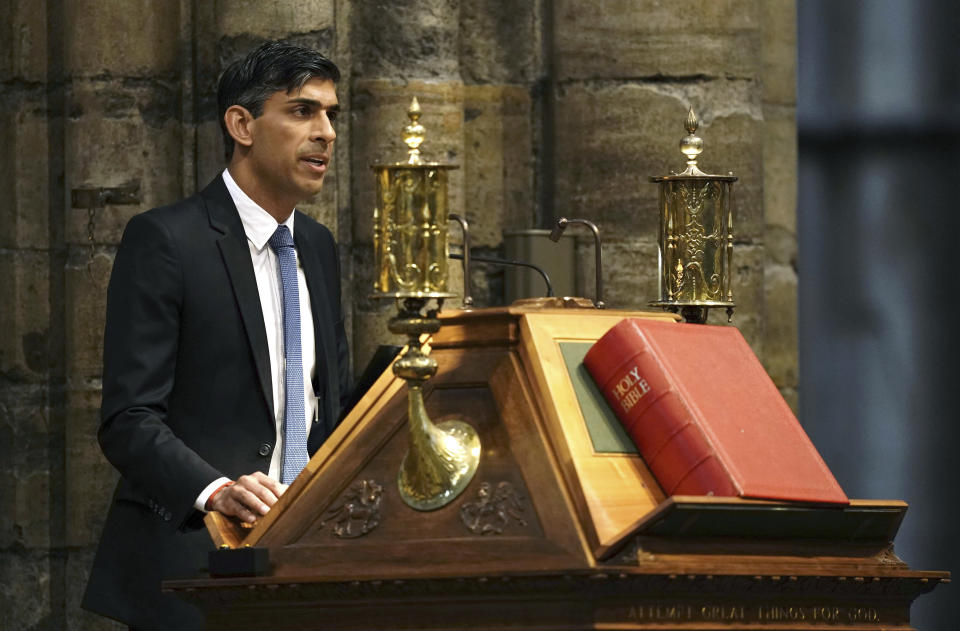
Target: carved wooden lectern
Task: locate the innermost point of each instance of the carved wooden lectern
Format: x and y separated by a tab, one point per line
562	527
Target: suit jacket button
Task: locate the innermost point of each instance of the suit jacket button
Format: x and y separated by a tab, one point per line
265	449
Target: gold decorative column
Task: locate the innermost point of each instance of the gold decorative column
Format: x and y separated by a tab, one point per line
696	236
410	249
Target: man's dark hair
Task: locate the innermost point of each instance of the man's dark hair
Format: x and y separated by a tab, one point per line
269	68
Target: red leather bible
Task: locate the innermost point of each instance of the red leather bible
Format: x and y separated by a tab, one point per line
705	415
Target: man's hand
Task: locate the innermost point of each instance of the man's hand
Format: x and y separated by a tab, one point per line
249	498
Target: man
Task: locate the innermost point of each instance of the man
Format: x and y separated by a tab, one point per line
225	356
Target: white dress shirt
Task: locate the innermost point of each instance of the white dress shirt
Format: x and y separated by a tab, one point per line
259	226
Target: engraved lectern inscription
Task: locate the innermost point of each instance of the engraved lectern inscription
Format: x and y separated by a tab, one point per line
812	614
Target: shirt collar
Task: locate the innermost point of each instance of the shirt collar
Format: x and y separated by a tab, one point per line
258	224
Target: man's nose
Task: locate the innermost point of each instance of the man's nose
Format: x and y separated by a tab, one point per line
323	130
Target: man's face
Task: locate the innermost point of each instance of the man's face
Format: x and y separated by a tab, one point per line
293	142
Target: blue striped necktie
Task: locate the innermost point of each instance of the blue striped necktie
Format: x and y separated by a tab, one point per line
294	423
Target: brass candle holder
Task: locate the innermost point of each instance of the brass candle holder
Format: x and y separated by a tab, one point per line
410	249
696	236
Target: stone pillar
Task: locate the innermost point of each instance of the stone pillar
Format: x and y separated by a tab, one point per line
501	65
122	63
781	336
28	501
398	51
624	78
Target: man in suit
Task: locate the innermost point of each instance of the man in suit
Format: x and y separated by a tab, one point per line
225	356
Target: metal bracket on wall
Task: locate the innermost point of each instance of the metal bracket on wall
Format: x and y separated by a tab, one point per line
99	197
95	198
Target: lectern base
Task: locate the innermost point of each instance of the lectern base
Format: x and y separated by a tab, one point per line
603	599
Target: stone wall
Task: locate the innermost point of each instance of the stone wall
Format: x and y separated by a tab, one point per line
550	108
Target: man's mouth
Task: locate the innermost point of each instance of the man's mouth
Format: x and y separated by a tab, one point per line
318	163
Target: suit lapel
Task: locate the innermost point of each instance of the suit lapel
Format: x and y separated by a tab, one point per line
323	327
236	257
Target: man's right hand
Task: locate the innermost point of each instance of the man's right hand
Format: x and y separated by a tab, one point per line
249	498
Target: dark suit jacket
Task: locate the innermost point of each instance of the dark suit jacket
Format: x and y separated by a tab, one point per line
187	393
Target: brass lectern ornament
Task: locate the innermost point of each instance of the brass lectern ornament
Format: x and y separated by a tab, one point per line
696	236
410	251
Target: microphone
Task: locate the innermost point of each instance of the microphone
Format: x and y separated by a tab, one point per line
558	229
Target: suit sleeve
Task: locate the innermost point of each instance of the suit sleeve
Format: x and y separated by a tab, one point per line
144	300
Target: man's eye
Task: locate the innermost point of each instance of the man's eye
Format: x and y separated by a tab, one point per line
332	116
303	110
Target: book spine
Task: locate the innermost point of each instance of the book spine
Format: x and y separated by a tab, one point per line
655	416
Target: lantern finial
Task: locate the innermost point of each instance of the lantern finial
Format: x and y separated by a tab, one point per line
691	145
414	133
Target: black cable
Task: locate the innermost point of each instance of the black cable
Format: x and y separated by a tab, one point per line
483	259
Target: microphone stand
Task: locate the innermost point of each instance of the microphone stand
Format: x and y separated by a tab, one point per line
465	229
555	236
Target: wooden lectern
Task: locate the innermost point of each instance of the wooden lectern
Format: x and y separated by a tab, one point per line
562	527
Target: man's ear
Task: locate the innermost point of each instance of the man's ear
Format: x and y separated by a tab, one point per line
238	120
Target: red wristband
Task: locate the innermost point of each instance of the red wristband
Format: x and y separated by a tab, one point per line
209	503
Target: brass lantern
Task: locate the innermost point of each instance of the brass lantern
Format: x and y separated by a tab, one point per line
696	236
410	249
410	222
